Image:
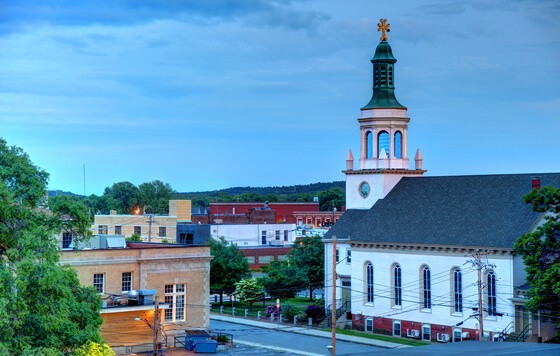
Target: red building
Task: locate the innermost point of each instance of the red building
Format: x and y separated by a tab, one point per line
285	212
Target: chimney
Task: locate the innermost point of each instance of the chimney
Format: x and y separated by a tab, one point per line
418	160
536	183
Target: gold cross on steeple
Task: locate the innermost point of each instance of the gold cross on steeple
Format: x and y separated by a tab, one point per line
383	26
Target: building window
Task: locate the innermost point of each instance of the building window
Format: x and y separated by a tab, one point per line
369	324
277	235
66	239
369	145
99	282
126	281
162	231
396	328
337	255
118	230
397	281
286	235
457	291
398	144
491	280
186	239
102	229
383	143
426	332
263	237
427	288
348	255
266	259
175	296
369	282
308	221
138	230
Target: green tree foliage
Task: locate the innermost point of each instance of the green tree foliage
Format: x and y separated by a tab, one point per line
307	255
332	198
155	196
43	308
134	238
72	214
126	195
283	280
541	252
249	290
94	349
228	266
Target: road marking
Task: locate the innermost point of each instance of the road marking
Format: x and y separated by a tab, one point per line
276	348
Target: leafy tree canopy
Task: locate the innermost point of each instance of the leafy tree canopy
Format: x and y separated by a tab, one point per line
307	255
249	290
541	252
283	280
155	196
228	266
43	308
332	198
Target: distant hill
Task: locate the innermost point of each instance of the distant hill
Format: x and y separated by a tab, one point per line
55	193
292	189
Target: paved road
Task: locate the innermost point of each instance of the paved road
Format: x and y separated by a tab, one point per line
256	341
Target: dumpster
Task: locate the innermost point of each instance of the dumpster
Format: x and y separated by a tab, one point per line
200	341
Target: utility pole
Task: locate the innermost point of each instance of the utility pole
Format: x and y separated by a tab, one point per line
333	320
477	261
156	326
150	222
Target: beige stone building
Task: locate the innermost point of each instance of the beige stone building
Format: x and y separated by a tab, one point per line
179	274
153	228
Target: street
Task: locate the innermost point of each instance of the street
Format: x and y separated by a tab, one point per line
250	340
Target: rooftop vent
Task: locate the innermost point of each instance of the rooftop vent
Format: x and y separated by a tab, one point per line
536	183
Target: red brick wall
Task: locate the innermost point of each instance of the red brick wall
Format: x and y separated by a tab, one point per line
264	251
284	211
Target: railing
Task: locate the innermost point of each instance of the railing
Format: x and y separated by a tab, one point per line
507	329
339	311
523	335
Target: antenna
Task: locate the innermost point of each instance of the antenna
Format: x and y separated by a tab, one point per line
84	179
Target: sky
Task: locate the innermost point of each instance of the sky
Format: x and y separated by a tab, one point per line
211	94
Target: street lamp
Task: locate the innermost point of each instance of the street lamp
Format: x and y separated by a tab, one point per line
232	305
278	310
155	327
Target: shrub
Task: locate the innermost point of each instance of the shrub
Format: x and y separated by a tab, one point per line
290	311
315	312
271	309
223	339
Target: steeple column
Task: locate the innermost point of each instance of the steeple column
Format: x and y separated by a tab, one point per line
405	143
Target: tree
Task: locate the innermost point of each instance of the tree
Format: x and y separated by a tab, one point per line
228	266
126	195
72	215
332	198
43	308
155	196
541	252
249	290
283	280
307	255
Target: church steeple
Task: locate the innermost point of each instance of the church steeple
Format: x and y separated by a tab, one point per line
383	74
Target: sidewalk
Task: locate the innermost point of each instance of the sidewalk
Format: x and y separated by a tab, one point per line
306	331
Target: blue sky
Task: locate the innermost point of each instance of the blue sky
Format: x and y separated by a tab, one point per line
210	94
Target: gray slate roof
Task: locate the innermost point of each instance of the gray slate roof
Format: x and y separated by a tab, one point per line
482	210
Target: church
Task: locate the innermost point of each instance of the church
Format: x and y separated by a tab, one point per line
426	257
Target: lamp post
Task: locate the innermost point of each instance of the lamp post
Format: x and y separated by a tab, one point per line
232	305
278	310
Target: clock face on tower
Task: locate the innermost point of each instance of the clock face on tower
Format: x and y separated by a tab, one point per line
364	189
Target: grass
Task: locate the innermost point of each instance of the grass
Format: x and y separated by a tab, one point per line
368	335
299	302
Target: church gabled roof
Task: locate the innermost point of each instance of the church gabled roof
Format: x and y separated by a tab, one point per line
480	210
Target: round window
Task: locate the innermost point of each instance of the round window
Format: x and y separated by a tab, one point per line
364	189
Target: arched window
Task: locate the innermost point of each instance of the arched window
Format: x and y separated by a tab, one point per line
457	291
369	282
398	144
383	143
396	328
397	282
427	288
491	280
369	144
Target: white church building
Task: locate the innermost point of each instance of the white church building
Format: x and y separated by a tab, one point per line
412	250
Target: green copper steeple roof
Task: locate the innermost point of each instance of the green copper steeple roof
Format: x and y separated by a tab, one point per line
383	79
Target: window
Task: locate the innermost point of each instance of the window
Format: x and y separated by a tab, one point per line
426	332
126	281
263	237
397	282
383	143
186	238
175	296
277	235
309	221
162	231
286	235
491	280
398	144
251	260
118	230
369	282
457	291
369	145
66	239
99	282
337	255
396	328
102	229
348	255
264	260
138	230
427	288
369	324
